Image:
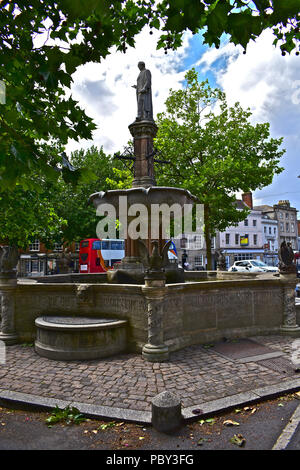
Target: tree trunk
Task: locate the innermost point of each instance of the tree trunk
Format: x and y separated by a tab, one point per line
207	237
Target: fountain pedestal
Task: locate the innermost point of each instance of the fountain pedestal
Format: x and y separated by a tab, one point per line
155	291
143	133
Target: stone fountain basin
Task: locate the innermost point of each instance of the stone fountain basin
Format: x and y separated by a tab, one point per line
146	196
79	338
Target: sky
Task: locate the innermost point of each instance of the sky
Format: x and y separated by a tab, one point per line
262	79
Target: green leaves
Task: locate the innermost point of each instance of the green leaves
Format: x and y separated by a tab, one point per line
214	150
68	415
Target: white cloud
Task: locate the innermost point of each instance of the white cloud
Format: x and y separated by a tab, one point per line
267	83
105	90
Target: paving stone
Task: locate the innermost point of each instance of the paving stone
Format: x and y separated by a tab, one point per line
128	381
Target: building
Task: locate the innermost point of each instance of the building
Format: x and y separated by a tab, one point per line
37	260
191	250
270	240
245	240
286	217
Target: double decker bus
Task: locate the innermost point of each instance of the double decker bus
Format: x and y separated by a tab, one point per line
97	256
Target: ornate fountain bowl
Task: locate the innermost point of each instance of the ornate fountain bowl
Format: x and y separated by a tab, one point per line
146	196
79	338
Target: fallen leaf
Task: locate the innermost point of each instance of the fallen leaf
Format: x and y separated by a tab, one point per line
229	422
141	438
95	431
280	404
238	440
202	440
253	411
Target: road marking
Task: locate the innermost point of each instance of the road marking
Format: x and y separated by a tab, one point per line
288	432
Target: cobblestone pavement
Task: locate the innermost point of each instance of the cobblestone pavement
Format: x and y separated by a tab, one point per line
195	374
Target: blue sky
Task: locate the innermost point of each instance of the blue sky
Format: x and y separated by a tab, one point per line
261	79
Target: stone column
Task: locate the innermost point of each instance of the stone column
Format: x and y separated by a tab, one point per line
289	325
143	133
155	291
7	310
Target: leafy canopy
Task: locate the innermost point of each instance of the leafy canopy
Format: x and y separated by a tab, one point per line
43	42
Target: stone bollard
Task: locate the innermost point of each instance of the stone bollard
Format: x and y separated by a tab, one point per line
166	412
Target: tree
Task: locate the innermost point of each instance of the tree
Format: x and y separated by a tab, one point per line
214	152
39	116
27	215
59	212
71	202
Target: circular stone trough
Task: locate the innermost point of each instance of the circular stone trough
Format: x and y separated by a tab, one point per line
79	338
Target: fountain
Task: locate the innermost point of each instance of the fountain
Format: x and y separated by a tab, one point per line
144	190
147	305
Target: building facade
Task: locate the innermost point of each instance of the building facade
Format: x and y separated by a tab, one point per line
286	217
37	260
245	240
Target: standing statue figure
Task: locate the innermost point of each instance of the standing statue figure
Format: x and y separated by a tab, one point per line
286	258
144	94
221	260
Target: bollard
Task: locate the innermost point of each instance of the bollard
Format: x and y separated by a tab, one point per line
166	412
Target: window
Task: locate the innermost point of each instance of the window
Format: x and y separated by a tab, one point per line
255	239
274	230
286	215
265	229
237	238
241	256
183	242
58	247
281	215
77	246
35	246
287	227
198	260
196	242
254	223
105	245
281	226
227	238
246	222
117	245
292	227
270	230
96	245
35	266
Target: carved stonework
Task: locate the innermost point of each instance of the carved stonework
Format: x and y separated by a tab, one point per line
286	256
8	261
221	260
7	314
84	294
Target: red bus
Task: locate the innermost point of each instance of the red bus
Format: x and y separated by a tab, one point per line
96	256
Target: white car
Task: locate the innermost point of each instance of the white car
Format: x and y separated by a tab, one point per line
252	266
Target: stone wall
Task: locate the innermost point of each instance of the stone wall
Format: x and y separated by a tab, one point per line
193	313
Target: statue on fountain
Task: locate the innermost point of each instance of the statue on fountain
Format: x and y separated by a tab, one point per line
221	260
286	259
144	94
8	261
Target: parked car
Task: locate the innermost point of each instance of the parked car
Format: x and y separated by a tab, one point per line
252	266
